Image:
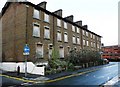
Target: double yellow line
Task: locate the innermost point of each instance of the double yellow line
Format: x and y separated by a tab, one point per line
73	75
49	81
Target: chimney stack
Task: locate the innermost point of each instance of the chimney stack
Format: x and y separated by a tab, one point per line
42	4
85	26
70	18
58	12
79	23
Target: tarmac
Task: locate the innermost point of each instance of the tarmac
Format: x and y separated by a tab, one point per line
32	78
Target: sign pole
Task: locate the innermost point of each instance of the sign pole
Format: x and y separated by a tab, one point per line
26	66
26	53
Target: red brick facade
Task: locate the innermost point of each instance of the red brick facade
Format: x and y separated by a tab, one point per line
18	23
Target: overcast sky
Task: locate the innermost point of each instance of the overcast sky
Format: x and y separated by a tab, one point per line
101	16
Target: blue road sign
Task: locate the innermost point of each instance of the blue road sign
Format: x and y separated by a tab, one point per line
26	49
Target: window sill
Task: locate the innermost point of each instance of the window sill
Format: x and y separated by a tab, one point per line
36	36
65	42
47	38
46	22
59	26
36	18
59	40
74	43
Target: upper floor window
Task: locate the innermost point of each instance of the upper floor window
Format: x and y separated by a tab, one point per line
65	25
59	36
78	30
65	37
83	42
94	44
74	40
83	32
59	22
91	44
78	40
47	32
86	33
46	17
36	30
87	43
91	35
73	28
36	14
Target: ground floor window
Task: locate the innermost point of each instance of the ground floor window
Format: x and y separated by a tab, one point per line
61	52
39	51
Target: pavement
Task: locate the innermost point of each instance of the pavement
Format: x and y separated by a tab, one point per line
48	78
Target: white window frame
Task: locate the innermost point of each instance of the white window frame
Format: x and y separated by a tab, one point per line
61	52
65	25
83	32
46	32
78	30
94	44
42	51
73	28
50	50
59	36
46	18
65	37
78	40
87	33
84	42
87	43
36	30
36	14
59	22
91	35
74	39
91	44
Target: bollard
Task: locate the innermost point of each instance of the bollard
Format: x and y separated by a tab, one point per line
18	70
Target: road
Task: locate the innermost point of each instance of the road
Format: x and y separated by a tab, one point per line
97	77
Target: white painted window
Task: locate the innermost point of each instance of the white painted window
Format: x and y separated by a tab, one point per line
50	50
83	42
47	32
98	46
78	30
65	25
65	37
78	40
91	35
91	44
61	52
36	30
36	14
46	17
59	22
74	39
94	44
39	51
86	33
87	43
83	32
73	28
59	36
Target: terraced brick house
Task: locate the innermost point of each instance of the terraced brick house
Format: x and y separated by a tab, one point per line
27	23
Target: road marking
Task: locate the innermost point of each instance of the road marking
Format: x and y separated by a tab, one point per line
61	78
54	80
16	78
